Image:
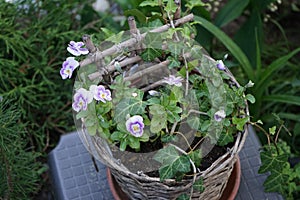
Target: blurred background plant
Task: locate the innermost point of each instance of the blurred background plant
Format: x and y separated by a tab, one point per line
260	38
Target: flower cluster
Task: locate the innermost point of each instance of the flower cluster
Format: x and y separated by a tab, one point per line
70	64
83	97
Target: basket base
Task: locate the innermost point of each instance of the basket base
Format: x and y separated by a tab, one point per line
229	193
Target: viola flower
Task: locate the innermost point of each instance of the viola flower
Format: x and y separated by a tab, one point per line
76	48
81	99
100	93
220	65
135	125
172	80
68	66
219	115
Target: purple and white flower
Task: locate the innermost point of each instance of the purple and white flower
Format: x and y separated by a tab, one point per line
76	48
220	65
81	99
68	66
219	115
135	125
172	80
100	93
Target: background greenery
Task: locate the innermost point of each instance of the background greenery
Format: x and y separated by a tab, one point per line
36	104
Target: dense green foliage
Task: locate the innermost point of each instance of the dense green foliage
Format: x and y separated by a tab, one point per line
33	42
19	169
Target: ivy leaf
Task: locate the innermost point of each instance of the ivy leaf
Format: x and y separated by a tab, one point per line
131	106
180	165
240	122
166	156
196	156
272	130
171	7
173	62
276	182
194	122
150	54
159	118
225	138
183	197
271	162
168	138
198	185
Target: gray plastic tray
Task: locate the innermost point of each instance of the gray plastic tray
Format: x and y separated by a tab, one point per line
74	176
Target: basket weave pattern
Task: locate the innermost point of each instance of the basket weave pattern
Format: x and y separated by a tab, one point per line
139	186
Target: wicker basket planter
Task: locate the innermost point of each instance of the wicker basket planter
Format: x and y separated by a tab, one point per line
125	166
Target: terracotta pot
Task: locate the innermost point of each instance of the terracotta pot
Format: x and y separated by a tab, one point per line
228	194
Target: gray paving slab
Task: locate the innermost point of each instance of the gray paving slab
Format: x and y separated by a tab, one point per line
74	176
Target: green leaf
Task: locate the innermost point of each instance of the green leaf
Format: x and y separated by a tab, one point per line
117	38
272	130
150	54
173	62
166	156
194	122
271	162
231	10
168	138
225	138
278	64
171	7
131	106
250	98
198	185
229	44
183	197
117	135
82	114
194	3
276	182
240	122
287	99
180	165
151	3
159	118
196	157
92	130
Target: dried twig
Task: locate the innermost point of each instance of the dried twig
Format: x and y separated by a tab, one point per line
147	70
128	43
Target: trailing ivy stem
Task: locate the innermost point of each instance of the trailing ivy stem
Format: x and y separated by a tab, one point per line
267	135
173	26
193	165
187	75
277	134
187	142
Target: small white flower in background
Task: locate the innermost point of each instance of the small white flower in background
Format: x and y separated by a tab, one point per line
101	5
76	49
134	94
172	80
249	84
68	66
81	99
220	65
153	93
100	93
219	115
135	125
1	98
